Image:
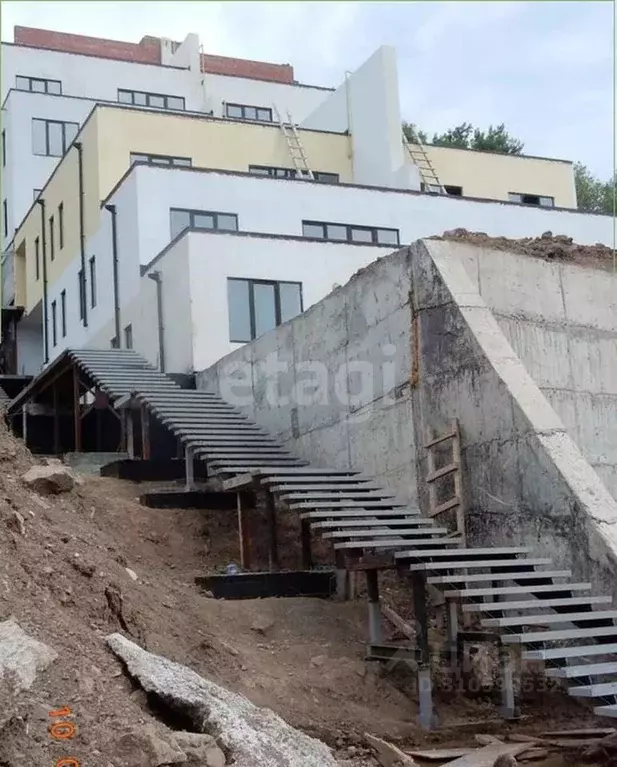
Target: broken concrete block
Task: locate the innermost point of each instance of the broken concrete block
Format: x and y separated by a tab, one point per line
49	480
201	749
22	658
389	755
146	747
251	735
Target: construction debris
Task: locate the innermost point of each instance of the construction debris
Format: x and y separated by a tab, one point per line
441	754
489	756
387	754
49	480
22	658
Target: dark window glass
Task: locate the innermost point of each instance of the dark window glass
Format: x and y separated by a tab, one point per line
161	159
264	302
250	113
175	102
3	148
92	281
81	293
337	232
54	327
61	225
228	222
38	85
39	136
37	262
290	300
52	137
180	220
52	239
157	102
5	218
125	97
239	311
128	337
54	86
313	230
114	343
245	112
455	191
326	178
63	312
22	83
360	235
234	111
387	236
201	219
140	99
265	115
350	233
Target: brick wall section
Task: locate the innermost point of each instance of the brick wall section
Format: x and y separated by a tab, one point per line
148	51
256	70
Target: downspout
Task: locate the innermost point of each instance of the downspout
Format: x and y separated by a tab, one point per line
114	249
41	202
82	233
156	276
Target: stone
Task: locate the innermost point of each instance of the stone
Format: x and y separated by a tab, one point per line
146	747
132	574
263	626
22	658
387	754
248	734
201	749
16	522
49	480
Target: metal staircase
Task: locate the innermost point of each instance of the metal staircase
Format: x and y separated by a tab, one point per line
296	150
523	600
419	157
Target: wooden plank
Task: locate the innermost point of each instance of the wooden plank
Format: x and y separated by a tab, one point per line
485	757
441	754
443	472
444	506
437	440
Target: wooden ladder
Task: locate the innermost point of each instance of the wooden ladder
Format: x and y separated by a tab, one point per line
453	468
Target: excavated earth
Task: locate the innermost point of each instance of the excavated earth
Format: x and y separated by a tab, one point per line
64	580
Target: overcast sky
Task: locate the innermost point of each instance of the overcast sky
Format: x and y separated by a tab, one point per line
544	68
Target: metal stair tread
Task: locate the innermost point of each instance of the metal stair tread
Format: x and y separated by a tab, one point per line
598	690
383	532
589	669
608	711
393	543
468	564
361	504
375	495
324	487
509	576
418	523
530	620
483	551
503	590
562	653
342	514
533	604
533	637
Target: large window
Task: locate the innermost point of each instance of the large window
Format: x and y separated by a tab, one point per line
161	159
274	172
38	85
257	306
368	235
52	137
532	199
182	219
154	100
244	112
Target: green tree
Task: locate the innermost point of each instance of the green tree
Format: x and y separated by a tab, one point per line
593	195
465	136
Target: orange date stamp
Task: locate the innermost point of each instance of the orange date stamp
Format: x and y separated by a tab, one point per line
63	730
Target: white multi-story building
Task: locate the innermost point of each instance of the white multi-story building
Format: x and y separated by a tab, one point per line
183	219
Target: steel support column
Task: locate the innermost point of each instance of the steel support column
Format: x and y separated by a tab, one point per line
243	534
425	691
307	552
189	467
76	413
273	558
374	607
145	434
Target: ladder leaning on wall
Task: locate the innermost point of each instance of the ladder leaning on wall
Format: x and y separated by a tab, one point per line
419	157
296	150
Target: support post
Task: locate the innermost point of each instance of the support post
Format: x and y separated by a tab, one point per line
130	432
425	692
374	608
189	469
76	413
342	581
506	667
145	434
274	548
24	425
243	534
56	419
453	643
307	552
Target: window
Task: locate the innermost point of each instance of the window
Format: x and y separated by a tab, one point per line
201	219
37	259
92	263
82	293
257	306
52	137
3	148
5	218
52	242
350	233
128	336
63	312
161	159
455	191
274	172
155	100
36	193
61	225
243	112
532	199
38	85
54	328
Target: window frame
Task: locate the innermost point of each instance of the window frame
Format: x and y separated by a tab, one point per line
63	312
61	226
193	212
149	95
453	186
374	230
52	239
5	217
37	258
54	323
35	194
92	273
4	148
243	108
47	123
277	302
274	171
128	336
150	157
46	80
539	197
81	293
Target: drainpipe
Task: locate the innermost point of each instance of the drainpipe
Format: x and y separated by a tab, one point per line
82	233
114	249
156	276
41	202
